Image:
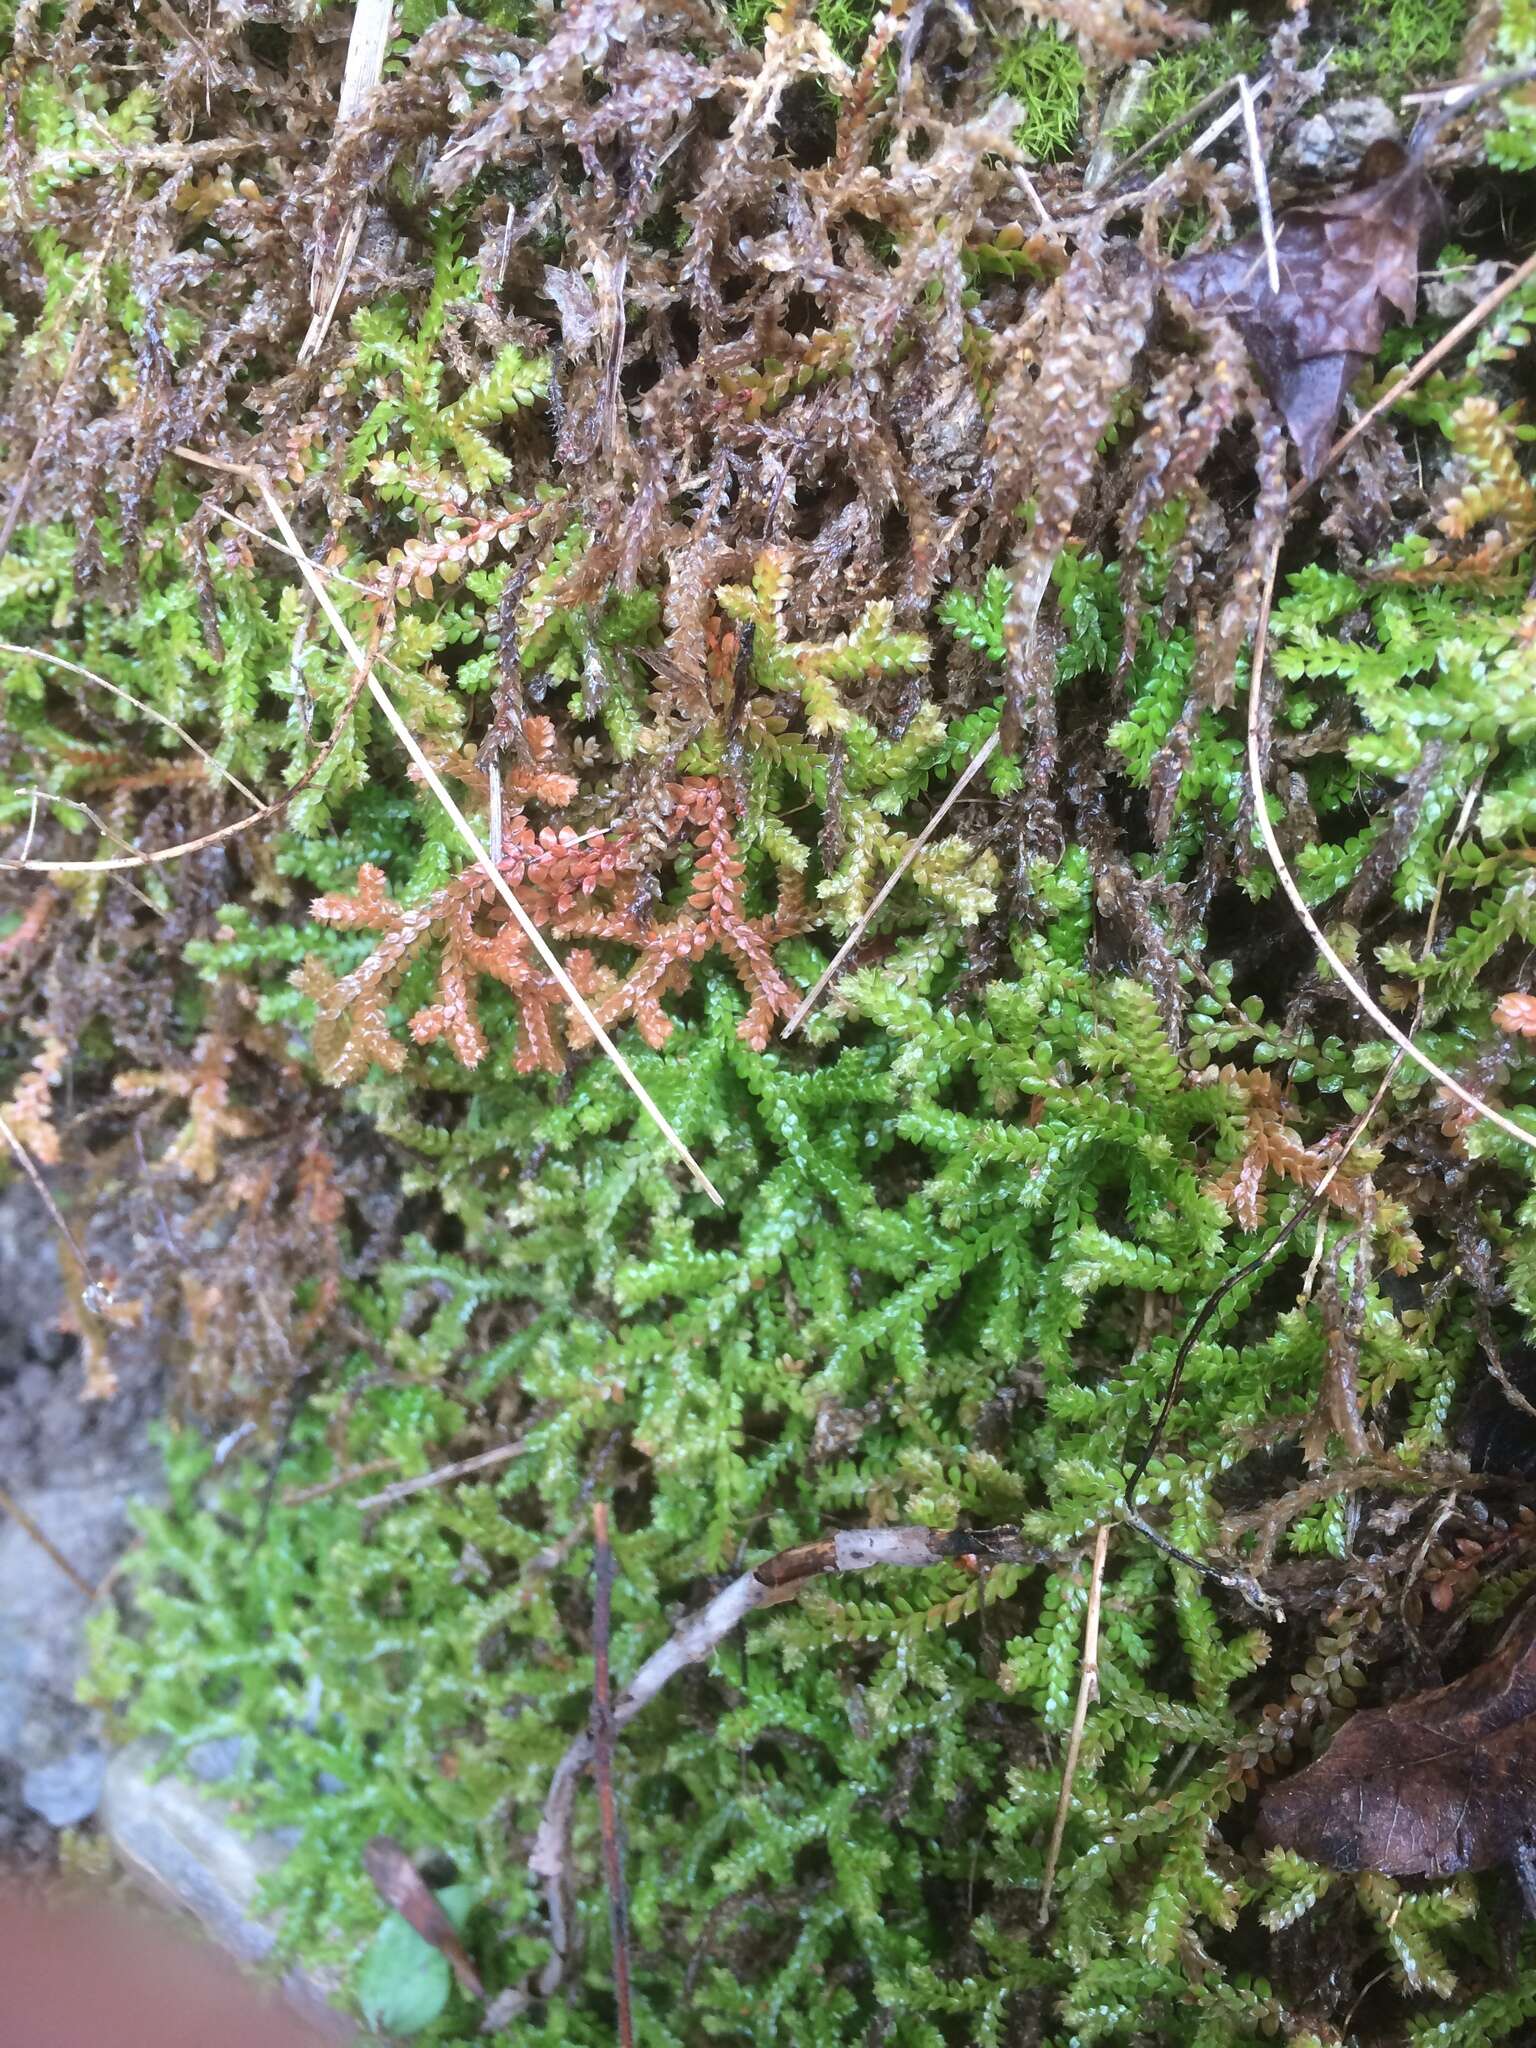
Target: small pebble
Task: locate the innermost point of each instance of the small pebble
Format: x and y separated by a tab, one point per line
68	1790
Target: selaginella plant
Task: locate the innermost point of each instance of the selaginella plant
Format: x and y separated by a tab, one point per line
727	427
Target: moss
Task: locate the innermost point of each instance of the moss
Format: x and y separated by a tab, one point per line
847	22
1407	43
1180	76
730	590
1045	71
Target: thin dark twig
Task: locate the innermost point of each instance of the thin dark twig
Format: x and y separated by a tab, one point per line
445	1474
45	1543
300	1496
604	1572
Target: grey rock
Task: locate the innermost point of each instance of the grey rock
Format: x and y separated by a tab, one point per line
219	1757
66	1791
179	1842
1331	144
42	1618
1450	293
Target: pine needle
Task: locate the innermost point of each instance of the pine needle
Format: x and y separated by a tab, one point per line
1260	183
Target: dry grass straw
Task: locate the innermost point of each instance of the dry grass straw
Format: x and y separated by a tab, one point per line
363	664
1315	932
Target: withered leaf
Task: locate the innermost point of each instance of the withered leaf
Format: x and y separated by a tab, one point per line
1436	1784
397	1883
1348	265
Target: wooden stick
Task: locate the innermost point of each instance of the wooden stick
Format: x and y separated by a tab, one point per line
1087	1693
602	1770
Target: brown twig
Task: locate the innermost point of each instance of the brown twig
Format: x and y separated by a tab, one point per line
1270	1522
1087	1693
445	1475
49	796
301	1496
25	1522
696	1637
116	1569
602	1769
1500	1370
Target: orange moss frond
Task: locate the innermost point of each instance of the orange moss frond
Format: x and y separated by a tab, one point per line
204	1087
599	889
1273	1148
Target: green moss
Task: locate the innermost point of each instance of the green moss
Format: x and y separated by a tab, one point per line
846	22
927	1307
1183	74
1073	1089
1405	44
1044	70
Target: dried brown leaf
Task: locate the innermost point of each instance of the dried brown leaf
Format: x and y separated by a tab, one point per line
1349	265
397	1883
1442	1782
